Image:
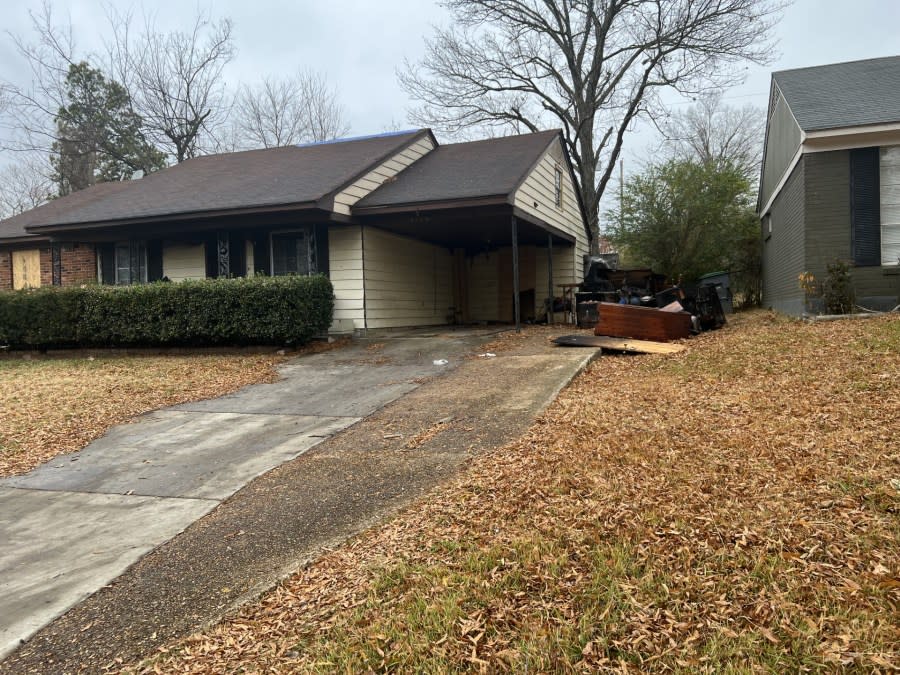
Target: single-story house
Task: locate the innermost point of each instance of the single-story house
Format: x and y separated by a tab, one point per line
410	232
830	183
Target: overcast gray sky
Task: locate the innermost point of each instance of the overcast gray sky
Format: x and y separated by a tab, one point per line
359	44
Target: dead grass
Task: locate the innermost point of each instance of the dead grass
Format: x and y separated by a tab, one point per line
733	508
54	406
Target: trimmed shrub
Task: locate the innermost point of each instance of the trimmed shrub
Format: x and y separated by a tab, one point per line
40	317
259	310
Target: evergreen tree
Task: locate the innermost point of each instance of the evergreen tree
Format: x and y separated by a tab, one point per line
100	136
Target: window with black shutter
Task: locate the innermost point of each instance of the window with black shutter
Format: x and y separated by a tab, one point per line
865	208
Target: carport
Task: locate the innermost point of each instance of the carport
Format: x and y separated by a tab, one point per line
508	211
476	228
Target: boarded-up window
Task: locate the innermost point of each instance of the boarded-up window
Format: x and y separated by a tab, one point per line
864	207
26	269
890	205
182	261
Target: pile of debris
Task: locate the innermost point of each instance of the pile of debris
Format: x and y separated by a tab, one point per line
639	304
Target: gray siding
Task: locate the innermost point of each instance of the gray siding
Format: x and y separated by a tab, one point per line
828	229
877	287
827	209
782	141
783	251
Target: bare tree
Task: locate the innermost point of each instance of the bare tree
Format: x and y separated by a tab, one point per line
590	67
324	112
298	109
176	82
30	110
24	185
173	82
711	131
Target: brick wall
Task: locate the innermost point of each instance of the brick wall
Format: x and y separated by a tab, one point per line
79	265
5	270
46	266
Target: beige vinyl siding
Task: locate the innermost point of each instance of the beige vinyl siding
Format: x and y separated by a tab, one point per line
346	274
537	197
537	194
490	280
345	199
567	269
407	282
184	261
484	289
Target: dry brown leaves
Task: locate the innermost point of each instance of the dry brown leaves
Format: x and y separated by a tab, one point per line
53	406
509	341
731	507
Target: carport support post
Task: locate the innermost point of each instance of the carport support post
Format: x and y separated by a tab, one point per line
515	261
550	317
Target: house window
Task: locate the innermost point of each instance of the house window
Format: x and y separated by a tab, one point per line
293	253
890	205
557	186
130	262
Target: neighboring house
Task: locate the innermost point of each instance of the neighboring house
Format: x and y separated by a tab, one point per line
830	185
410	232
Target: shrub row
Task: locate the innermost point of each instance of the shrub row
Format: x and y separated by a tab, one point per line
259	310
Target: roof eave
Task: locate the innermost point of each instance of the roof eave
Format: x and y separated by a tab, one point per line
23	239
172	217
407	207
853	129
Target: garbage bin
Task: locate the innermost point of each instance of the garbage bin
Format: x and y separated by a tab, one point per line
721	282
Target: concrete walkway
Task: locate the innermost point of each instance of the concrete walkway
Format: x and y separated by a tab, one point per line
72	526
78	521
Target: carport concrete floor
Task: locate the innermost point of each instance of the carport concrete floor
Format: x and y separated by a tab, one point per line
165	524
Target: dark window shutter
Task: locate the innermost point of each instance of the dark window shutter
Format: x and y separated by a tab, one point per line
211	247
237	255
107	263
154	260
56	263
261	254
865	208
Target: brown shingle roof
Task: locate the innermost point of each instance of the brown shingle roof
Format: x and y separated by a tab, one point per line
487	168
239	180
14	227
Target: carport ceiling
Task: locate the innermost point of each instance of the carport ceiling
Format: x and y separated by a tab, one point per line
474	229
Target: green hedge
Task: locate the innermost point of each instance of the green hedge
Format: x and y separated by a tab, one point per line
260	310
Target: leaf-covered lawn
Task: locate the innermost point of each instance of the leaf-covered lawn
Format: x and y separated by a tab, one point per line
732	508
53	406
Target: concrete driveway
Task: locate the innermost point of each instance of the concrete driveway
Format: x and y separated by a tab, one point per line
74	524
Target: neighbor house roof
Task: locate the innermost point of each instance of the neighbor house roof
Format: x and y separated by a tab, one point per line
843	94
292	175
494	167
